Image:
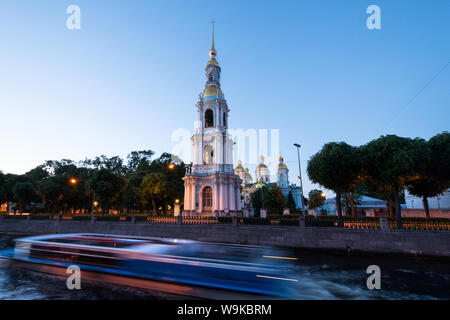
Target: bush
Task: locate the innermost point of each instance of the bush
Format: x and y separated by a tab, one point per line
81	218
138	218
224	219
108	218
255	220
41	217
18	217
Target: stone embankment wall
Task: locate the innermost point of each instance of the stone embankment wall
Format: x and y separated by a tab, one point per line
419	243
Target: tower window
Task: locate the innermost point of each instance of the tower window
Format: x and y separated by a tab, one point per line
207	199
211	77
224	119
209	154
209	118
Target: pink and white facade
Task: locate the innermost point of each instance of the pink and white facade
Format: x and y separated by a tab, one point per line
211	186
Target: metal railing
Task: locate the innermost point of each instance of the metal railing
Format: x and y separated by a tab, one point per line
363	223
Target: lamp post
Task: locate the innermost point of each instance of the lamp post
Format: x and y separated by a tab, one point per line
94	205
300	176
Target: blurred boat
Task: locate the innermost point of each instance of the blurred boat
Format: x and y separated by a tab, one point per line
176	266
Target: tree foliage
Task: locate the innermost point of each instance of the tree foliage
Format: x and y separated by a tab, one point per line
270	198
316	199
336	167
115	183
154	188
383	168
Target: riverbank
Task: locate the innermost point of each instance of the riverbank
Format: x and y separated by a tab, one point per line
418	243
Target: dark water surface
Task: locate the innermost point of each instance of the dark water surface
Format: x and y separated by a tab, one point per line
321	276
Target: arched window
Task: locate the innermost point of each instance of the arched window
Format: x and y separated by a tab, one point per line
209	118
211	77
224	119
209	154
207	199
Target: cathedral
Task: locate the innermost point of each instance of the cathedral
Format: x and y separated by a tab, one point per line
262	175
210	186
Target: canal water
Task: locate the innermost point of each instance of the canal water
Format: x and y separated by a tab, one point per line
321	276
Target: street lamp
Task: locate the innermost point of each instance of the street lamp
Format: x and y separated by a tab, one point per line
94	205
73	181
300	176
171	166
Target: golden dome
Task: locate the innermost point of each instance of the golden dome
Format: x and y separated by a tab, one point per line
212	91
281	165
261	166
239	167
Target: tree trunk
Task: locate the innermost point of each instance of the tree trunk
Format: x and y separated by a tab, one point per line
391	209
425	206
398	210
154	207
339	209
352	202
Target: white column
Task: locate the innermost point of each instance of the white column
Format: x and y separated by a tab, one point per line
216	197
200	201
193	196
221	196
232	197
186	196
238	198
226	200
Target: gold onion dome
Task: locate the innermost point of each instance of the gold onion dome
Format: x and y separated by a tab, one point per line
261	166
212	91
261	163
239	167
281	165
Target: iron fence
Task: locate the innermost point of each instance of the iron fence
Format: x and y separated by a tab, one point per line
363	223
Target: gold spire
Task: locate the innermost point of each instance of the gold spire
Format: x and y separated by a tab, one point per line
212	52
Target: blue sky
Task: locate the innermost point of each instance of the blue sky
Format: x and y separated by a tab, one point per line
132	74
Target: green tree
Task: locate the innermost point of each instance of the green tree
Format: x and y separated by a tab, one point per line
316	199
133	193
107	187
6	192
174	170
139	160
270	198
336	167
2	182
388	162
154	188
432	172
291	202
257	198
275	201
24	194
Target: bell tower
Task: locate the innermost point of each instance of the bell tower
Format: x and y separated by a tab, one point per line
211	187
